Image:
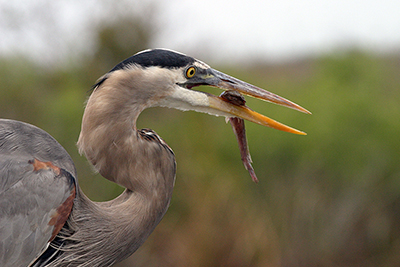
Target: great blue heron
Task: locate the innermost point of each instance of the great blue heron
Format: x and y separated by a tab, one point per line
45	218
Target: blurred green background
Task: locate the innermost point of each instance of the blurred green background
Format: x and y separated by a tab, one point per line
331	198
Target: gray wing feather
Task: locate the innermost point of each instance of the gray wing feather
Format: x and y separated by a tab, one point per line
29	197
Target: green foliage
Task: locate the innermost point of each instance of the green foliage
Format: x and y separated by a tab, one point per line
331	198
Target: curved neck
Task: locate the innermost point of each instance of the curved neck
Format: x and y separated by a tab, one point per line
138	160
110	141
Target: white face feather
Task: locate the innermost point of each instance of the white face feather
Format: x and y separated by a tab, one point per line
186	99
177	96
201	64
182	98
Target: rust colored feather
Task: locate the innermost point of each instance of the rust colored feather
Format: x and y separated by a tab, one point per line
62	213
40	165
60	216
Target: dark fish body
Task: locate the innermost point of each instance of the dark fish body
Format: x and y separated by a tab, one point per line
240	131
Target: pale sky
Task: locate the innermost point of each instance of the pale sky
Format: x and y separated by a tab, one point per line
284	28
224	29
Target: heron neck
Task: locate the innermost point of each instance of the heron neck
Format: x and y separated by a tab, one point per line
110	141
136	160
145	168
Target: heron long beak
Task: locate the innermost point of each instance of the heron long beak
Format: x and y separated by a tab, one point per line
240	110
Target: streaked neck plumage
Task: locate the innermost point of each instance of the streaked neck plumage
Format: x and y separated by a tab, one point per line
137	159
109	138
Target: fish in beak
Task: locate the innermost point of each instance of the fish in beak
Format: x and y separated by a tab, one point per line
228	83
234	103
230	104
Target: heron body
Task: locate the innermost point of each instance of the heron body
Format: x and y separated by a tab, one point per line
45	218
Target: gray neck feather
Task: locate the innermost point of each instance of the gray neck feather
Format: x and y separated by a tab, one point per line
109	232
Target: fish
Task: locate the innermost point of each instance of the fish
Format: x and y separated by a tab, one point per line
239	130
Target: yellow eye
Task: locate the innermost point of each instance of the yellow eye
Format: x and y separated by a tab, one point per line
190	72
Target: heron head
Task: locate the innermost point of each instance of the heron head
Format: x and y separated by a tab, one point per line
176	75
